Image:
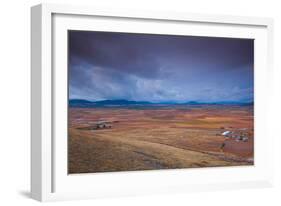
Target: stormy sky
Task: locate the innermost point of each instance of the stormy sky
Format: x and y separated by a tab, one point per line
159	68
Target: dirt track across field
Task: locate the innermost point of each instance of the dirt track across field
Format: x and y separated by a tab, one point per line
157	138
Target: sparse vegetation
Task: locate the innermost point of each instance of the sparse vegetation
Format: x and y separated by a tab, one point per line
158	138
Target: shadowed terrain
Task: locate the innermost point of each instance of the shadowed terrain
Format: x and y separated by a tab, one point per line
144	138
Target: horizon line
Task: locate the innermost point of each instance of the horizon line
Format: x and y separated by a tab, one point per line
165	102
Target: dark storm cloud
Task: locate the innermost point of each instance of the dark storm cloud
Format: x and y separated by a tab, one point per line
147	67
116	51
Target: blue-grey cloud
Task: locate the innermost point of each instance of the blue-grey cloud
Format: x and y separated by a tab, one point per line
159	68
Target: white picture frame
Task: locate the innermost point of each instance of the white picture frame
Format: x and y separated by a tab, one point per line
49	180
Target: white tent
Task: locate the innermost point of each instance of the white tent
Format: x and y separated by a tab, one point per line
226	133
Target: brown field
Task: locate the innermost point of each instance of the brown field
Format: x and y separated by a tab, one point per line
158	138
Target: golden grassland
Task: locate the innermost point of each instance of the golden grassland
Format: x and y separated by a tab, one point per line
158	138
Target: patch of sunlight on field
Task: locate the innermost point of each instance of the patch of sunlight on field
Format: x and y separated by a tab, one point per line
156	139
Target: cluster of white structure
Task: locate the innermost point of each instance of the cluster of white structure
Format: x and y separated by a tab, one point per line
238	136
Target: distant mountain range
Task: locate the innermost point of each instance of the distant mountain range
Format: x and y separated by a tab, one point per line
123	102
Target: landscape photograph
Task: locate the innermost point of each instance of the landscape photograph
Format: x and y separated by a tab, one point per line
140	102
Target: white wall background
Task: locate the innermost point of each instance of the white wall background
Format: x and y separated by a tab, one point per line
15	101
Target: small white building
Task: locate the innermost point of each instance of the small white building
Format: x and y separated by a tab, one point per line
245	139
226	133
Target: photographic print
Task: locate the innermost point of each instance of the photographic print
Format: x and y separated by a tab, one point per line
151	101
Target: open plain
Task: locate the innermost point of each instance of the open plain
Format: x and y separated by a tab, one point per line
107	139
